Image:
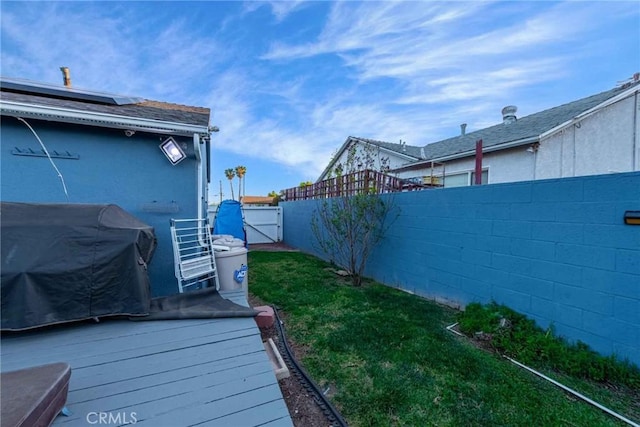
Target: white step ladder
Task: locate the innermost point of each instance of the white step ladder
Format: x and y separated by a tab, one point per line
194	259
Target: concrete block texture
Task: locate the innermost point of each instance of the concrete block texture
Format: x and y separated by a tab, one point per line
556	250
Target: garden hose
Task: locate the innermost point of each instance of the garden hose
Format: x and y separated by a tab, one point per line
327	408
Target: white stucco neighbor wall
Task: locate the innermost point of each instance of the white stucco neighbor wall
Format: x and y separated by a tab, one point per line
395	160
515	164
605	142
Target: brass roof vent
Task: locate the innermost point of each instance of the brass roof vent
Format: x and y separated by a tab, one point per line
66	76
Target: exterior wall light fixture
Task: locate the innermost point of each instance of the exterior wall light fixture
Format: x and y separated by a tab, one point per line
632	217
172	150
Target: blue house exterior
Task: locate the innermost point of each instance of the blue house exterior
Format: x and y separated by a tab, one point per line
106	149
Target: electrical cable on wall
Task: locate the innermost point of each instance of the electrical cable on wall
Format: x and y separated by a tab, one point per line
64	187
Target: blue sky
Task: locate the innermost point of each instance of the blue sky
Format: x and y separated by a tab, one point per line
287	82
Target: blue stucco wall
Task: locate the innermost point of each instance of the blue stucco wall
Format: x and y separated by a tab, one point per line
555	250
112	168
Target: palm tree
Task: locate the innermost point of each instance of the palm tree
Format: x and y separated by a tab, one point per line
240	172
230	173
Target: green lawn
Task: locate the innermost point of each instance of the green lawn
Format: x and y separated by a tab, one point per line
389	360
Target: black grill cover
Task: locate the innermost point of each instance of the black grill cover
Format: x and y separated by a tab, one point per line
66	262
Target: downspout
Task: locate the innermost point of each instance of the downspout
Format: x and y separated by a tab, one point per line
207	152
534	150
198	152
636	160
478	168
561	157
576	126
202	234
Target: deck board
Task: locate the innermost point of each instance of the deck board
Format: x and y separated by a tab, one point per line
230	411
90	352
136	381
169	373
180	362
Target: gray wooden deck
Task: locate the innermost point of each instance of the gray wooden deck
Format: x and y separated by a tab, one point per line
174	373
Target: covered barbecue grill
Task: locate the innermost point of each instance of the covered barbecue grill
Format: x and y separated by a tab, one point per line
66	262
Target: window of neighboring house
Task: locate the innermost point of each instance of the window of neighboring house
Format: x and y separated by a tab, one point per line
456	180
464	179
484	178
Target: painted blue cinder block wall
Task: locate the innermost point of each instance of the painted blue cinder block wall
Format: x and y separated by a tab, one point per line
112	168
555	250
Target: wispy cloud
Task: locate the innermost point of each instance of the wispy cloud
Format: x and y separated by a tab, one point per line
418	41
454	53
116	52
288	81
279	8
282	9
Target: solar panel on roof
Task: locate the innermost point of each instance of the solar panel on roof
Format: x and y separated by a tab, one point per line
26	86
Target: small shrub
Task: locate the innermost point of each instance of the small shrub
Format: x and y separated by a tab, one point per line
517	336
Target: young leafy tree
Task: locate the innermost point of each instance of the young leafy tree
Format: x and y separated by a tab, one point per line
230	174
348	227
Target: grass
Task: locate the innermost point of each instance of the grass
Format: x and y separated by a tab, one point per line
389	361
517	336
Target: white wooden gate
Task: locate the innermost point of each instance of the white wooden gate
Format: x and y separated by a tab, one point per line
262	223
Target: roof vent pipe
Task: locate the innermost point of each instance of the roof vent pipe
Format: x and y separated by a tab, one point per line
509	114
66	76
463	129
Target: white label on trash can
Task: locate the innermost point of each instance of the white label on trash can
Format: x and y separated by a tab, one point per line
239	275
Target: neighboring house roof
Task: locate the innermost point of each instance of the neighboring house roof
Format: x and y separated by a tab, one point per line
524	130
27	99
402	149
256	200
409	152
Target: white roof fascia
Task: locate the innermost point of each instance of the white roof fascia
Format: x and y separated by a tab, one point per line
333	160
590	112
387	150
489	149
19	109
396	153
361	141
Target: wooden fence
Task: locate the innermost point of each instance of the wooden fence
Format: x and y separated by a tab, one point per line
365	181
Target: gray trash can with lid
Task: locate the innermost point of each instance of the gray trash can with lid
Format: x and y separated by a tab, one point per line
228	240
232	265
